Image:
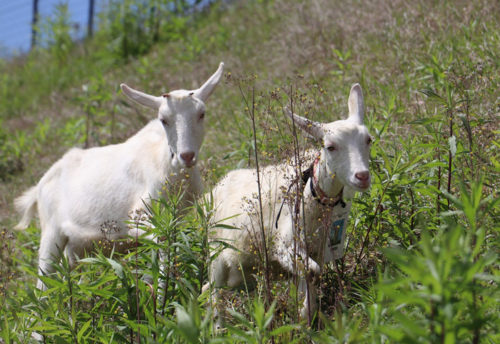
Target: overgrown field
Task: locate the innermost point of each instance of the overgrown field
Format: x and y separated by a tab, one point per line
421	265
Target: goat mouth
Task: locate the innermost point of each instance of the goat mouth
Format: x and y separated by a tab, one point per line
361	186
189	164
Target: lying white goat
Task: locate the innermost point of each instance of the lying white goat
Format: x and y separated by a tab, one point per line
87	188
340	169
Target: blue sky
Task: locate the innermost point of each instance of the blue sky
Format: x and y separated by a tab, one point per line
16	16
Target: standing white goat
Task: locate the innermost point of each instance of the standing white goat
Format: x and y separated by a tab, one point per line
87	188
339	170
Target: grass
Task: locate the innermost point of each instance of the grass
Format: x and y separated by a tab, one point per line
421	265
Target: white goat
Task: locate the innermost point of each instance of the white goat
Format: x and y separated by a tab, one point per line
87	188
340	169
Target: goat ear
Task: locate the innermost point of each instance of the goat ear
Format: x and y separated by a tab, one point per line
142	98
356	104
314	129
208	87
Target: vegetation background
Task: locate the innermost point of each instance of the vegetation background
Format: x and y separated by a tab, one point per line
422	258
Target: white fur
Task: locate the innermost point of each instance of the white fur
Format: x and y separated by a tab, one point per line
236	194
87	188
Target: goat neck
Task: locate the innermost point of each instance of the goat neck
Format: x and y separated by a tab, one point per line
327	187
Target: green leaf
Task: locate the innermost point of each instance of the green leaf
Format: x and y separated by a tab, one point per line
118	269
432	94
84	328
6	331
186	325
284	329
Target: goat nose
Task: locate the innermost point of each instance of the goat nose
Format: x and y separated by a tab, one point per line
363	176
187	157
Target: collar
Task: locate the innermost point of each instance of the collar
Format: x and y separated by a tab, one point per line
319	195
322	199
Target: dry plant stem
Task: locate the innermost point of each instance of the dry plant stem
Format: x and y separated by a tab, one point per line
251	112
295	226
165	287
412	213
477	331
205	259
319	282
206	219
71	305
438	197
295	277
469	133
92	304
299	198
137	282
450	156
167	277
340	277
438	187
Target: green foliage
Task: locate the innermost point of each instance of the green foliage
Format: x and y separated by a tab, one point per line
99	123
10	154
133	26
258	329
57	33
447	285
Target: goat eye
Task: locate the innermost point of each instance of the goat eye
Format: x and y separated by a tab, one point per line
202	116
331	148
369	140
164	121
